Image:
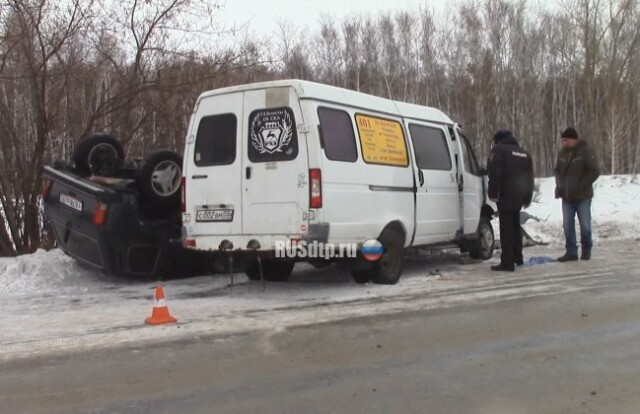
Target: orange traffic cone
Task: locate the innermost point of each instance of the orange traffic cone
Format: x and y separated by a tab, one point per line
160	312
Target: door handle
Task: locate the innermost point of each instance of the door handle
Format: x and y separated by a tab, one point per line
421	177
248	173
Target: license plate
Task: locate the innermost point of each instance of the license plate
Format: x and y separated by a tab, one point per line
71	202
220	214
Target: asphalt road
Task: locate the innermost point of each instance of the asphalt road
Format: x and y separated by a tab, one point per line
572	348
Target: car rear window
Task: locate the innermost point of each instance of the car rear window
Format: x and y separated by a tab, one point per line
216	140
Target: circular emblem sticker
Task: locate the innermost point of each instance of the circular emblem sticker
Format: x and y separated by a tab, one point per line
372	250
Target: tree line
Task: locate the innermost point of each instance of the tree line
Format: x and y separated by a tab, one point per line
69	68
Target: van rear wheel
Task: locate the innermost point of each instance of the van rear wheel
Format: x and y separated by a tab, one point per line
360	276
272	270
387	269
483	246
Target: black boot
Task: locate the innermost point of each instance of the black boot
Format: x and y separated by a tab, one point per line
567	257
586	254
502	268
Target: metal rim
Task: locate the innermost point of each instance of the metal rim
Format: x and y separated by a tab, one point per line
165	178
486	237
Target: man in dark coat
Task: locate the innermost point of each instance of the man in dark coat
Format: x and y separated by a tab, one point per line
575	171
510	187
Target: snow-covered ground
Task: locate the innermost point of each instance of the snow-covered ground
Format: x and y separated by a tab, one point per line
51	303
615	210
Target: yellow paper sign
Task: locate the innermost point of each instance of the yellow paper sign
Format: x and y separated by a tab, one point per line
382	141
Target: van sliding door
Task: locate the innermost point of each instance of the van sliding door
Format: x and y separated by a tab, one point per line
437	198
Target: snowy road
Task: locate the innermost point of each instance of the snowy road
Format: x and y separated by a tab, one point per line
52	305
553	338
100	312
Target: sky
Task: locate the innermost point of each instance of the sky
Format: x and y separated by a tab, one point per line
42	292
262	16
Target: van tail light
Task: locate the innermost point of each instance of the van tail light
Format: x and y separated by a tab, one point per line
183	195
100	214
315	189
46	188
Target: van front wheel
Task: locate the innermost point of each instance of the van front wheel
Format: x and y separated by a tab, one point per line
387	269
483	246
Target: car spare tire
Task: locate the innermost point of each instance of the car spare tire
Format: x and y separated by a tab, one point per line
158	182
99	154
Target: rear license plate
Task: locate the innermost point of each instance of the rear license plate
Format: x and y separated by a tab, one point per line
219	214
71	202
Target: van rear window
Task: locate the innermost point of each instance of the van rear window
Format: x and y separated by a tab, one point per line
337	135
272	135
216	140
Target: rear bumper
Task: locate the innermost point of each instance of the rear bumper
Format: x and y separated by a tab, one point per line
254	242
126	245
132	250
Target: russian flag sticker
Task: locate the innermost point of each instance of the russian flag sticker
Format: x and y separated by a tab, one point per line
372	250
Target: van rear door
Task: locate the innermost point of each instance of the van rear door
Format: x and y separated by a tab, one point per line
213	166
275	175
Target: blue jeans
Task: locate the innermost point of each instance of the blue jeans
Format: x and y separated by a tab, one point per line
569	210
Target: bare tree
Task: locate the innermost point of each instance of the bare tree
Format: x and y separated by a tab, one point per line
36	32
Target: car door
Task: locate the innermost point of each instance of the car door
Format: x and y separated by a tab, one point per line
472	184
437	198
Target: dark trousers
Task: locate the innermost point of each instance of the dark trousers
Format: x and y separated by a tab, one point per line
510	237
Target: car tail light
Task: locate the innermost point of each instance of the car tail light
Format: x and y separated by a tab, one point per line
46	188
189	243
183	195
100	214
315	188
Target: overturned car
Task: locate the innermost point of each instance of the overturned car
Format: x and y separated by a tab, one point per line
122	217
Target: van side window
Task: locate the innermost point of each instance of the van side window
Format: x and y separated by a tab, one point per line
272	135
382	141
470	162
430	145
337	135
216	140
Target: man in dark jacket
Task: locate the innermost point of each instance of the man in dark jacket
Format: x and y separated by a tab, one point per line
511	187
575	171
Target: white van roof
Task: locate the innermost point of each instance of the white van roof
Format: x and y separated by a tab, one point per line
332	94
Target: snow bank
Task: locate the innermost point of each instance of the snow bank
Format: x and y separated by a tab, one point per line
615	210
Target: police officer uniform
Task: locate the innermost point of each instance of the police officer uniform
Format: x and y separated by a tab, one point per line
510	171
